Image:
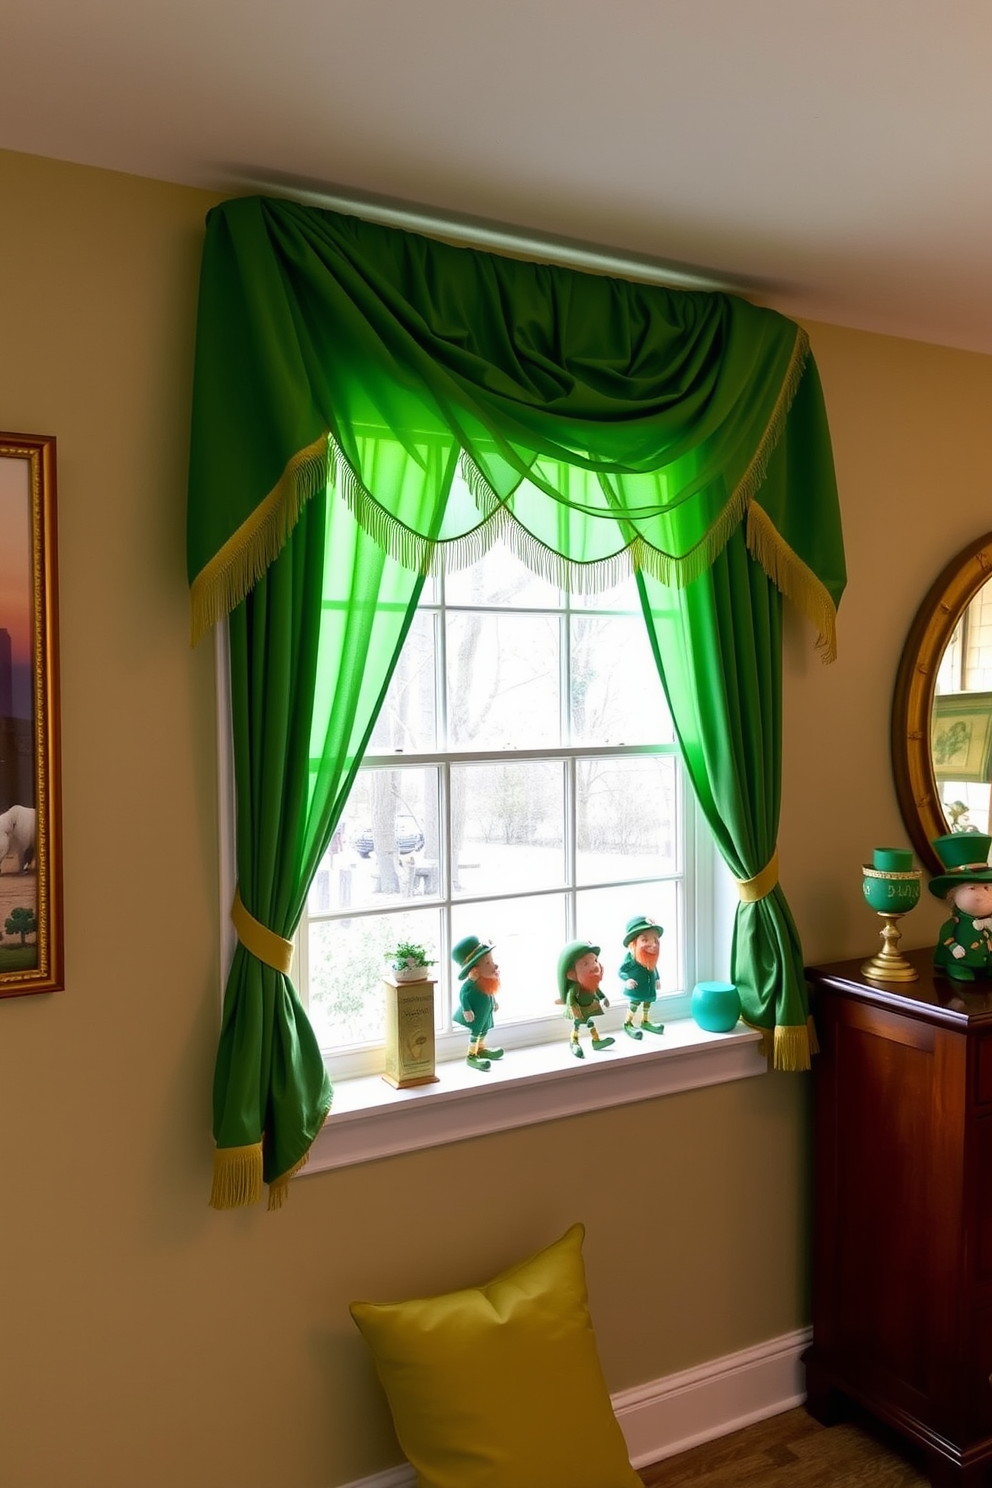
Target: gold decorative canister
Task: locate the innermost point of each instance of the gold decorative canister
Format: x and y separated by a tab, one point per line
409	1032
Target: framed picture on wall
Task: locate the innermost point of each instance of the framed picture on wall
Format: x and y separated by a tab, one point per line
961	736
31	942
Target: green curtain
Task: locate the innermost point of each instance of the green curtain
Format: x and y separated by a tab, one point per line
450	398
597	425
718	647
312	649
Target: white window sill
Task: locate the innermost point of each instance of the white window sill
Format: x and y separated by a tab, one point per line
369	1119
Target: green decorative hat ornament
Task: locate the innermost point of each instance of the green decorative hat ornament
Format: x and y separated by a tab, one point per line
965	859
570	954
637	926
467	952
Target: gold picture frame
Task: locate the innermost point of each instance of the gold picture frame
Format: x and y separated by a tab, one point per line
31	937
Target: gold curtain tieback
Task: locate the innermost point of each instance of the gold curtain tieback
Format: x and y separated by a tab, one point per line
259	940
761	885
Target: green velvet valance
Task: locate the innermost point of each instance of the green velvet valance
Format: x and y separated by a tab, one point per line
597	425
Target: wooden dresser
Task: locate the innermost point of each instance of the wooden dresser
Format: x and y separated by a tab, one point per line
902	1232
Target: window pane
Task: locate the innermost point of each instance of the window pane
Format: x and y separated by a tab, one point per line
500	579
626	818
408	719
503	681
623	597
617	696
508	826
602	915
528	934
385	849
347	965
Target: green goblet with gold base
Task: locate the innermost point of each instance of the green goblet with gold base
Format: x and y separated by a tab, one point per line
891	886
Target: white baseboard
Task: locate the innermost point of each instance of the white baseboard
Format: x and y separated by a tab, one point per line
671	1415
393	1477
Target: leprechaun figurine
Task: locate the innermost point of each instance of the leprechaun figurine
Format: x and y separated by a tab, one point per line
639	974
479	976
964	945
580	972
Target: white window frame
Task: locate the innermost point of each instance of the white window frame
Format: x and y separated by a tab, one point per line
695	929
541	1081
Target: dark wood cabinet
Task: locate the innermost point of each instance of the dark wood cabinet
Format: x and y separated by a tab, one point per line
902	1226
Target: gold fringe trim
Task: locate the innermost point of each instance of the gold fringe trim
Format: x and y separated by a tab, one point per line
426	555
229	576
761	885
788	1049
792	1049
756	471
237	1177
767	1038
279	1187
233	571
794	578
259	940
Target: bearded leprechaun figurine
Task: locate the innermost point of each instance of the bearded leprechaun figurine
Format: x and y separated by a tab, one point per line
964	945
479	976
580	972
639	974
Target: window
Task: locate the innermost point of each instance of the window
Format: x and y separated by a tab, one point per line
523	784
961	747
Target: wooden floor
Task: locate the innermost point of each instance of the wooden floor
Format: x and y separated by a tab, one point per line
792	1451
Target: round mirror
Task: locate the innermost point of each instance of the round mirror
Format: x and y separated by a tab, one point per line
942	710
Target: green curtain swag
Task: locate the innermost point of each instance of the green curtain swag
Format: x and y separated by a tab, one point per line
450	398
600	427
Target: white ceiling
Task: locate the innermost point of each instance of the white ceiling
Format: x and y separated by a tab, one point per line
832	157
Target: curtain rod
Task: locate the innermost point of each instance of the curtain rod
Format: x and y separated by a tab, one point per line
501	237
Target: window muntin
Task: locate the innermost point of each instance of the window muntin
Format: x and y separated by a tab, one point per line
522	782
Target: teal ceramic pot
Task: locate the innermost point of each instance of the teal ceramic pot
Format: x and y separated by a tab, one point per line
891	893
715	1006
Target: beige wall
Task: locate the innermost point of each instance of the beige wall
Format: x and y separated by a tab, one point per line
148	1340
912	439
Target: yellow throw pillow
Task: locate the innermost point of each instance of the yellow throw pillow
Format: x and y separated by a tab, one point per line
500	1386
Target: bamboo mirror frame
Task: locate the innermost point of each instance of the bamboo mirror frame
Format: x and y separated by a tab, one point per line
913	718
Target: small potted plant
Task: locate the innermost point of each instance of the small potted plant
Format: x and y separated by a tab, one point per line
409	962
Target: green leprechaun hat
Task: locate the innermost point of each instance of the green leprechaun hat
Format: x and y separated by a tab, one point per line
965	859
569	955
637	926
467	952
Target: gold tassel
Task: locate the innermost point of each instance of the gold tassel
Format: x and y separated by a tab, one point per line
233	571
237	1177
814	1042
279	1187
793	577
758	467
767	1038
792	1049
